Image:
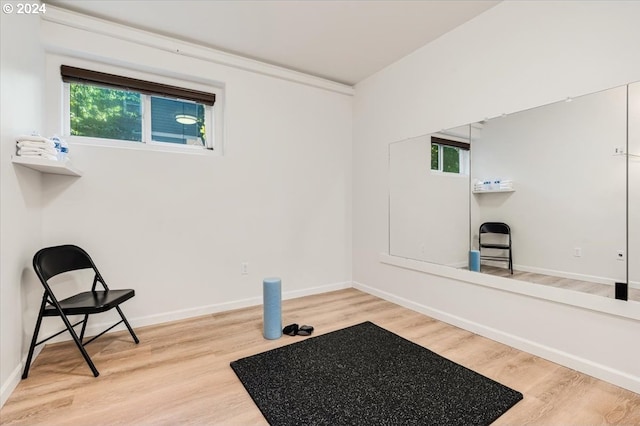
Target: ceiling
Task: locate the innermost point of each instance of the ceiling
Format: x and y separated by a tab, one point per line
343	41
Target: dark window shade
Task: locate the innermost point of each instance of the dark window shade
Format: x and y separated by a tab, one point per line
448	142
79	75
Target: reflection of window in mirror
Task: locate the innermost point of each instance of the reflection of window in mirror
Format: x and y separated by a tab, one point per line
449	156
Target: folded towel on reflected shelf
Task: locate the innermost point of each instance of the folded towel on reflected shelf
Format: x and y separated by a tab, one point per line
493	185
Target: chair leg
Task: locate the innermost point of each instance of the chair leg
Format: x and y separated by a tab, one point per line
84	353
34	339
124	319
510	261
84	327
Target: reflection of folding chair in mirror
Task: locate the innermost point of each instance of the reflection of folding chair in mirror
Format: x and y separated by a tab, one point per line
53	261
494	243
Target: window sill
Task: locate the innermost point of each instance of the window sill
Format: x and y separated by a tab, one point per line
449	174
47	166
141	146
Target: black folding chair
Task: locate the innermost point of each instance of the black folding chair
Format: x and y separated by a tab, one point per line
501	240
53	261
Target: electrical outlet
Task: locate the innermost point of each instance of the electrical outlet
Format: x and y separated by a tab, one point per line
244	268
620	255
577	252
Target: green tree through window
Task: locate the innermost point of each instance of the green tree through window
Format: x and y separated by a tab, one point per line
105	113
449	156
450	159
435	157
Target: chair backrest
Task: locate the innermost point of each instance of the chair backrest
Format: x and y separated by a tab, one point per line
52	261
495	228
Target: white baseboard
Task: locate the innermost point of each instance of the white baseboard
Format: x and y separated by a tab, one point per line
574	276
599	371
10	384
316	290
177	315
218	307
14	378
565	274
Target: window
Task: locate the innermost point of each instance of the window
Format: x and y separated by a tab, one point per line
112	107
449	156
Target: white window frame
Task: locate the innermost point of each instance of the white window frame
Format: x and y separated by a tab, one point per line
464	157
147	139
58	119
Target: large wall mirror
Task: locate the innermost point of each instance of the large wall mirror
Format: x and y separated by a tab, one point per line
565	177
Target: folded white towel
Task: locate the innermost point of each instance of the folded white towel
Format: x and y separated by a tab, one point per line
39	155
33	138
36	144
29	149
50	149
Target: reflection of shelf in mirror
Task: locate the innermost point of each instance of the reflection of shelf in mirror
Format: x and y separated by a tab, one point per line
47	166
493	191
624	154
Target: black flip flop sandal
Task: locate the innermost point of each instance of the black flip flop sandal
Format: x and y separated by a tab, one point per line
305	330
290	330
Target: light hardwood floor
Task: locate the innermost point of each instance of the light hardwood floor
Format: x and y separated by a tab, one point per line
560	282
180	374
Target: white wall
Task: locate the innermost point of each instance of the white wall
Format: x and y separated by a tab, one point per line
515	56
20	210
421	201
570	187
178	226
174	226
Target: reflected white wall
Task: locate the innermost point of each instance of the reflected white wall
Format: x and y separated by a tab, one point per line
428	211
569	186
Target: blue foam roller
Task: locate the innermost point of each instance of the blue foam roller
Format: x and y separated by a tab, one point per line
474	260
272	303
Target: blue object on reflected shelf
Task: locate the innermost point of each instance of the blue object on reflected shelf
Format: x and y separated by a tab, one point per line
474	260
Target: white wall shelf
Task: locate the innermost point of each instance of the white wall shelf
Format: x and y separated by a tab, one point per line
47	166
493	191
